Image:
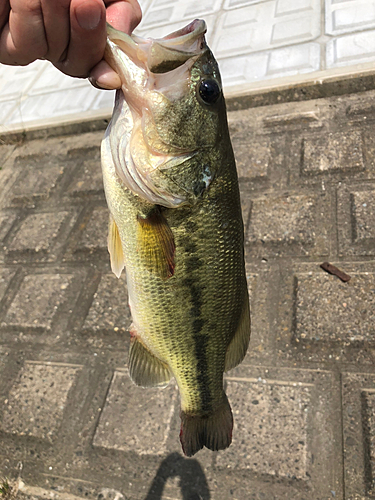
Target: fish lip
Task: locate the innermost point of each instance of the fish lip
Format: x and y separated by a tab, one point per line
182	45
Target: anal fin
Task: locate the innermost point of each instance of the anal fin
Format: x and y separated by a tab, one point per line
115	248
145	369
156	244
238	346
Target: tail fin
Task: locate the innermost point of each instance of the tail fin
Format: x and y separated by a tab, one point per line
213	431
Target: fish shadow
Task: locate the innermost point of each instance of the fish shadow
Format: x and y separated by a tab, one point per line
193	482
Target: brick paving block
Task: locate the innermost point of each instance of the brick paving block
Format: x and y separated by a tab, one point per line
109	309
89	179
36	402
356	223
6	222
135	419
332	152
288	224
6	276
328	310
38	232
350	49
358	400
37	301
345	16
277	433
95	233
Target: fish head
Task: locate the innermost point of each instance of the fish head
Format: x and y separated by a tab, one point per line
173	89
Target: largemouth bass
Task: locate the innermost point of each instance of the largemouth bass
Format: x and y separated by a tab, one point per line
175	224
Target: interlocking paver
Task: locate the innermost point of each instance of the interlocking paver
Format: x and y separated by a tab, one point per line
135	419
37	301
94	235
5	277
109	309
353	48
38	232
344	16
37	399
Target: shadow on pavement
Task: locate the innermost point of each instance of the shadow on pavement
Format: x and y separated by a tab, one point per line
193	483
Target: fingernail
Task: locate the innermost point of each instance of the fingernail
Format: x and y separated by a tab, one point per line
88	15
109	81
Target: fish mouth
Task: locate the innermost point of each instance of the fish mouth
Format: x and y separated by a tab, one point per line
163	54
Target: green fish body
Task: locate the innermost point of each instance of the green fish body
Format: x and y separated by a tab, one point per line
175	225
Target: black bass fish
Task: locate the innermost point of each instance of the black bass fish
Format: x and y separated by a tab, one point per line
175	224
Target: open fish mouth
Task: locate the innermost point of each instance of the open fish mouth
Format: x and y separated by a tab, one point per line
164	54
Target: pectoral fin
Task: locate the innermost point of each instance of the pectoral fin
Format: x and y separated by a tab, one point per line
115	248
145	369
238	346
156	244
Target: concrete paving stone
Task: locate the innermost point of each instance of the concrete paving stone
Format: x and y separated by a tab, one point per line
135	419
346	16
332	152
89	179
33	182
358	434
356	229
37	301
38	232
363	208
256	28
294	60
6	276
95	233
290	223
351	49
328	310
109	309
7	108
6	221
264	446
252	160
275	433
37	400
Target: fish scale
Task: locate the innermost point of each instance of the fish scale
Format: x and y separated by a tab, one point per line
183	255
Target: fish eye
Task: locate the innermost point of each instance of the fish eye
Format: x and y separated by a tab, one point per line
209	91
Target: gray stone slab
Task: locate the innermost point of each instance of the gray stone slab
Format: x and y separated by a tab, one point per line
37	301
281	425
94	235
6	276
89	179
135	419
290	224
35	183
321	319
358	391
356	227
328	310
333	152
6	221
109	309
37	400
38	232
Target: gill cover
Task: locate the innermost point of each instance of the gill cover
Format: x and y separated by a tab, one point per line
155	74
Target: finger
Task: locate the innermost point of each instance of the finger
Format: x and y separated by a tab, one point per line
56	17
25	23
102	76
123	15
4	13
87	37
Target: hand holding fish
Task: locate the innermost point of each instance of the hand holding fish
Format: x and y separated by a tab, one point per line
69	33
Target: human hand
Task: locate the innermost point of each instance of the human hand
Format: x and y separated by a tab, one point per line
69	33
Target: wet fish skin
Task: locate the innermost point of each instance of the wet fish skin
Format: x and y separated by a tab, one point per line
183	254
